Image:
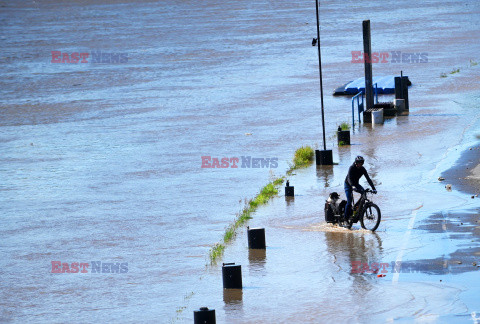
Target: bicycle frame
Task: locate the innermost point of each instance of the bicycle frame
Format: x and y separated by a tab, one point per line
362	202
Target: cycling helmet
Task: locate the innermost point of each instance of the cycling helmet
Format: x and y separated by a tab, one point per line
359	159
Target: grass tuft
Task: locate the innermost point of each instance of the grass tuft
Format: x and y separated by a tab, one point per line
344	126
216	252
455	71
303	157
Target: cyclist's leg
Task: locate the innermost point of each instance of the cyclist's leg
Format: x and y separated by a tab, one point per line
349	194
359	189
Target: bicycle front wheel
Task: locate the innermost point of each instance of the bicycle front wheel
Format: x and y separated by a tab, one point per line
371	217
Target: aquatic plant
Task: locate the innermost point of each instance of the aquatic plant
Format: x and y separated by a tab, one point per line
344	126
279	181
303	157
473	62
216	251
455	71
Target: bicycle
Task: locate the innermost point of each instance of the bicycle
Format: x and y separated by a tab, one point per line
364	210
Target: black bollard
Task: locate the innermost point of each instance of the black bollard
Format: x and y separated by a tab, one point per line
204	316
232	276
256	238
324	157
289	191
401	89
343	137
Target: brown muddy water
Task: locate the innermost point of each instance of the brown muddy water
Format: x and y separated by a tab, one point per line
101	162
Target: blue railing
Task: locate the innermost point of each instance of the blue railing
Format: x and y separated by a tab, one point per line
359	107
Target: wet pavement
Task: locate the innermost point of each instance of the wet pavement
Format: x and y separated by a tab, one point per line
427	246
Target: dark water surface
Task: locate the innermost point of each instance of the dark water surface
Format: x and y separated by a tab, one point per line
102	161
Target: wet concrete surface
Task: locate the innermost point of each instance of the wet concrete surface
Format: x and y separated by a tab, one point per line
428	242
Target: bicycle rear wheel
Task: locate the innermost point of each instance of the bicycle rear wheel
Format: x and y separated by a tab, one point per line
371	217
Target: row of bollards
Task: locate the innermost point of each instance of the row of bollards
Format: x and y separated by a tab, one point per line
232	274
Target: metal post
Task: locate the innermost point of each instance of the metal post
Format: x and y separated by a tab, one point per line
320	72
367	50
324	157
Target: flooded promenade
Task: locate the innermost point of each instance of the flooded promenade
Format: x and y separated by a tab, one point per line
101	160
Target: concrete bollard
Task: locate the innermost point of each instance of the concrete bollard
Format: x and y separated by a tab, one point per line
256	238
377	117
399	104
204	316
232	276
289	191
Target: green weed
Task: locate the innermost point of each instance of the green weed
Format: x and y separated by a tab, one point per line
303	157
344	126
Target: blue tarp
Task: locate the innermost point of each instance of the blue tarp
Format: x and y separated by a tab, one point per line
385	85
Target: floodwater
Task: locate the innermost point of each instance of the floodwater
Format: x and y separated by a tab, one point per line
102	161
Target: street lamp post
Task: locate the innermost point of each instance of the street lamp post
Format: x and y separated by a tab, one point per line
323	157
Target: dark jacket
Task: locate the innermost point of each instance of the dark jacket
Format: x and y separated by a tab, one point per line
354	175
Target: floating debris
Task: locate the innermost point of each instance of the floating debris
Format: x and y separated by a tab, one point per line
441	179
248	134
449	187
380	275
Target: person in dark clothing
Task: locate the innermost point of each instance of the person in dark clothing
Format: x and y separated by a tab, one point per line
355	172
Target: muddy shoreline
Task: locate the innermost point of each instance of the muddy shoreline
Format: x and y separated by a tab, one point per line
464	175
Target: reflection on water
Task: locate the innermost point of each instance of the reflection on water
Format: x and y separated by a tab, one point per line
290	200
325	173
364	246
347	247
345	154
257	258
233	298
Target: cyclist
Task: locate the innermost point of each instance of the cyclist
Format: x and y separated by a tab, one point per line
355	172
